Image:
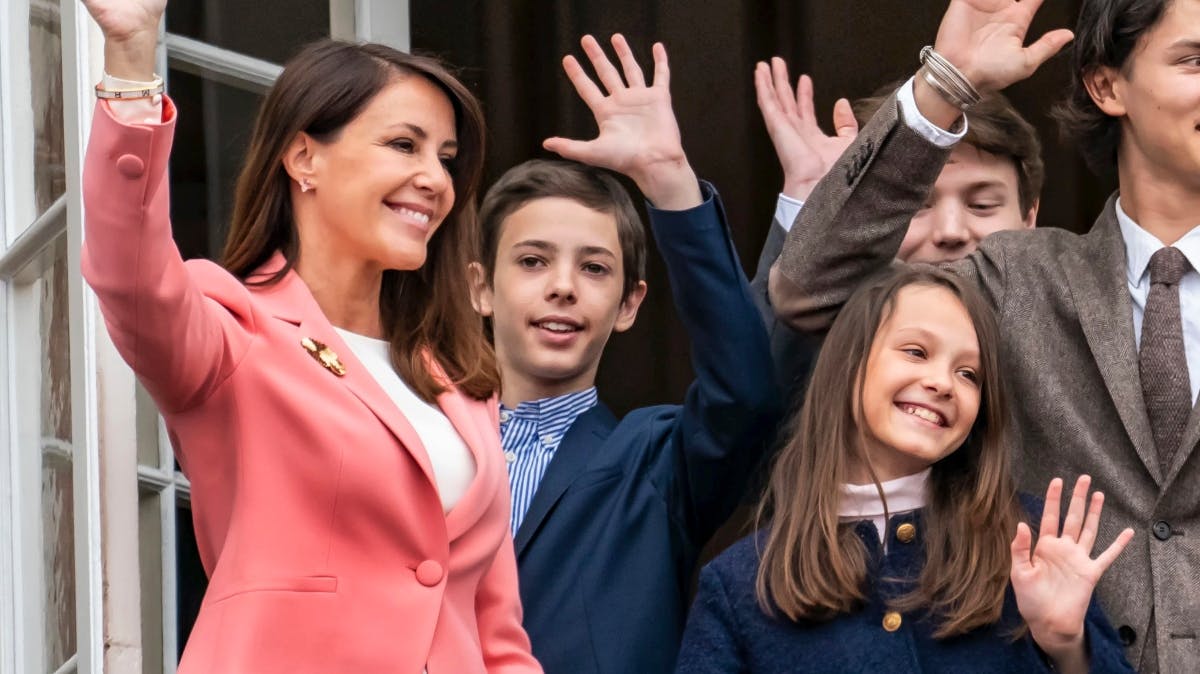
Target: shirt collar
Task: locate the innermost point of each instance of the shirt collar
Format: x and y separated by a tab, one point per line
861	501
1140	245
568	405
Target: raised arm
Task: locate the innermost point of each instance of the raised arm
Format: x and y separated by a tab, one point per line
179	341
1054	580
731	410
860	211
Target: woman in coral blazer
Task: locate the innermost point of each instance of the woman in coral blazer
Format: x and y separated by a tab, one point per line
341	531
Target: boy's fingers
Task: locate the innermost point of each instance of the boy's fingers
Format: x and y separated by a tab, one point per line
1052	508
845	124
662	68
629	65
584	86
1048	45
783	89
609	77
804	100
577	150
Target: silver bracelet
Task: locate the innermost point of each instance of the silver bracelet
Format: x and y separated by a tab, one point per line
156	87
948	80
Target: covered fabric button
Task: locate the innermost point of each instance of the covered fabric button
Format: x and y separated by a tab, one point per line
891	621
906	532
429	573
131	166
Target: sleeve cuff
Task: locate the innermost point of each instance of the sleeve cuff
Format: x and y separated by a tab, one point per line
786	210
133	110
707	192
925	128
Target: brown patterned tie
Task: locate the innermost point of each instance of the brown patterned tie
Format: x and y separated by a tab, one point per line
1162	360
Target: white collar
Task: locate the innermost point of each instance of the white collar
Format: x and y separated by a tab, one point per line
861	501
1140	245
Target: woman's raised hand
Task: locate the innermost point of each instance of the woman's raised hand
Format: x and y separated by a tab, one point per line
1053	582
130	30
638	135
985	39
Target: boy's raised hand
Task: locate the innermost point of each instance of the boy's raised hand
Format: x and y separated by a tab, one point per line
805	152
1053	582
986	40
638	135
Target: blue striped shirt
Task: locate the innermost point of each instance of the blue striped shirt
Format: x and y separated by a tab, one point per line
530	435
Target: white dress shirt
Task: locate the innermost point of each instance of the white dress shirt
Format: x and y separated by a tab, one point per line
1139	246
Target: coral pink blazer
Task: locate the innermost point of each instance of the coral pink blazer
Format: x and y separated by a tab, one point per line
315	507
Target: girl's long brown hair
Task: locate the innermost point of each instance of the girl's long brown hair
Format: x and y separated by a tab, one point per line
424	311
814	567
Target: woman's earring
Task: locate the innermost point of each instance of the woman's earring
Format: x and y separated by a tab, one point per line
305	185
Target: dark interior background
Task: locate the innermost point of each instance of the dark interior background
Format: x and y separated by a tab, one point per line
510	54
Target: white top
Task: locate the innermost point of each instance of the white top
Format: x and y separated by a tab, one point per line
1139	246
862	502
452	462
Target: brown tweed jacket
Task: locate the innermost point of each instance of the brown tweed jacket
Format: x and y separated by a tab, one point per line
1068	345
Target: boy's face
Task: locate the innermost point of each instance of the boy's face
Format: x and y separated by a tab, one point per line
555	296
1157	95
976	194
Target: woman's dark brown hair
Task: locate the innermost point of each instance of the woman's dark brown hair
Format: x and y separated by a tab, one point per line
424	311
815	567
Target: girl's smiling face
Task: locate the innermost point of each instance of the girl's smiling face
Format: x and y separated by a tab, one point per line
921	386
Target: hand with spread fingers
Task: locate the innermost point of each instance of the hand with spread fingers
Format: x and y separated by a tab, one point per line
985	39
638	134
1054	581
805	152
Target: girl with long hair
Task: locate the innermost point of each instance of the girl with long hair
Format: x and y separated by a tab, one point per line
892	537
328	389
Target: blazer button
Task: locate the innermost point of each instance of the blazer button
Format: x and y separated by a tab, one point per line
891	621
429	573
130	166
1162	530
906	532
1127	634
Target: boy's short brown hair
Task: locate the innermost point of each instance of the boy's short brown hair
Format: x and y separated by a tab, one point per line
547	178
994	126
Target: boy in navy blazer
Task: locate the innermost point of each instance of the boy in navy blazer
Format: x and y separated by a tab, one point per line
609	516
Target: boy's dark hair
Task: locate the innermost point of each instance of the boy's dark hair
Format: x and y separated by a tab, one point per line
1106	35
546	178
995	127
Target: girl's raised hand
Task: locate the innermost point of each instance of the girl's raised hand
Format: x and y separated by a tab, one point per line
1054	581
638	135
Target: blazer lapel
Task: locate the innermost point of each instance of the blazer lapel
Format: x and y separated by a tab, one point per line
484	444
574	452
290	300
1097	281
1191	441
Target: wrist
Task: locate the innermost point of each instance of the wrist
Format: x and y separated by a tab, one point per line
798	189
132	56
670	186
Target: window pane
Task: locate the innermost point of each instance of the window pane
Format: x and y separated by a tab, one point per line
213	128
58	496
150	555
268	29
45	64
191	581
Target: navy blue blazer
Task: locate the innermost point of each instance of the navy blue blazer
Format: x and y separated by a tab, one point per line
729	632
608	547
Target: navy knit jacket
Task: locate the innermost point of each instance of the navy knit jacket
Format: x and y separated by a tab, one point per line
727	630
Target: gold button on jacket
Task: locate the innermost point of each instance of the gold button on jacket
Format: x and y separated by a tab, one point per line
891	621
906	532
